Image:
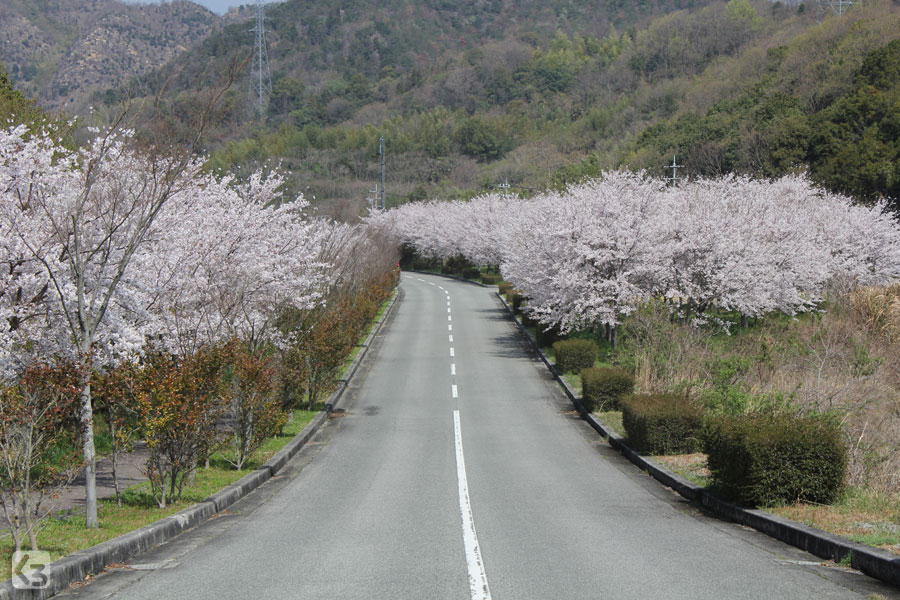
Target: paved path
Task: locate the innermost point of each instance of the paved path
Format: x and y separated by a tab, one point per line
460	472
131	472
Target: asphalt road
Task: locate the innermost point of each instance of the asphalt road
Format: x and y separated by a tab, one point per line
458	472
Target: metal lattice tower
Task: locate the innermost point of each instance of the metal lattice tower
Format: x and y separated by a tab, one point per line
260	76
838	7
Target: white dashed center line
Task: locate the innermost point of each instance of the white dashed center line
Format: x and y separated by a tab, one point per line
453	368
452	353
478	585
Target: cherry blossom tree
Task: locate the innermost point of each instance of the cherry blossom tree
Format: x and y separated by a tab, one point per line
591	254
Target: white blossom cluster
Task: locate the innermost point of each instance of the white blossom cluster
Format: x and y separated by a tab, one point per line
595	252
108	247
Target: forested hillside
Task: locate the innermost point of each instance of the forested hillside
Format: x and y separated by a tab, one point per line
471	94
63	51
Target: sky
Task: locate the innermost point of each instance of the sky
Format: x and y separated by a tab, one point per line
217	6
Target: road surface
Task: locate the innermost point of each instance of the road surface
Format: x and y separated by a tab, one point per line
460	472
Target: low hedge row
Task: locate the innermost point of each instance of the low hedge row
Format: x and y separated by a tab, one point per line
546	336
504	287
575	355
602	388
490	279
471	273
768	460
662	423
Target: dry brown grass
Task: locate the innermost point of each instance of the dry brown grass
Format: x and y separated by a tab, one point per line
844	361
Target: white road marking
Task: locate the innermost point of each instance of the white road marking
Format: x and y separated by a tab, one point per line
448	309
449	327
451	338
453	368
478	585
452	353
449	318
454	391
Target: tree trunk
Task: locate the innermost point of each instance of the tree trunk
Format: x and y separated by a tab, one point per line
90	457
115	458
614	336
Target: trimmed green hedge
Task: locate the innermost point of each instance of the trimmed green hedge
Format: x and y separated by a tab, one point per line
602	388
471	273
575	355
504	287
516	299
769	460
490	279
546	335
662	423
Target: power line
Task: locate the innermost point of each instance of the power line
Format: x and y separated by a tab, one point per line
260	76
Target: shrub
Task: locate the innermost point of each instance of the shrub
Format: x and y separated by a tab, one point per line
471	273
768	460
662	423
547	335
575	355
603	388
504	287
490	279
515	301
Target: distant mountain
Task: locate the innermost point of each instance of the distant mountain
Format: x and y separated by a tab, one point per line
62	51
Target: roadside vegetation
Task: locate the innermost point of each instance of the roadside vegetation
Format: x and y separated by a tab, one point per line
145	299
747	350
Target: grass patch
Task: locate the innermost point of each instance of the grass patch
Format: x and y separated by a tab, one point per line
65	533
690	466
613	419
862	516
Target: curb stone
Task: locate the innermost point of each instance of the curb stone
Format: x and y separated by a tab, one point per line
77	566
874	562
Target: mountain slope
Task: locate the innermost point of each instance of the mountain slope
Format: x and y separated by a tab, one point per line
61	51
471	94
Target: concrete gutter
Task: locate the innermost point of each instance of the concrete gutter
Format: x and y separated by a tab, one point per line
77	566
874	562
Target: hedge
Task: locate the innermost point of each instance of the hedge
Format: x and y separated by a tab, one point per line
662	423
490	279
546	335
471	273
515	301
504	287
770	460
604	387
575	355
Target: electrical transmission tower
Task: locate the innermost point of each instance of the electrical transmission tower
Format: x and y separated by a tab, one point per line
838	7
260	77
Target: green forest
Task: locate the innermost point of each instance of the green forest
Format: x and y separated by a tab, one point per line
468	95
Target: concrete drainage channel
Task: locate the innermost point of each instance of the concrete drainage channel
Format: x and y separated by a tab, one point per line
62	573
874	562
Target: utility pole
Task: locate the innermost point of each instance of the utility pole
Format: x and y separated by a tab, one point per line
381	152
260	76
673	180
505	187
372	199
